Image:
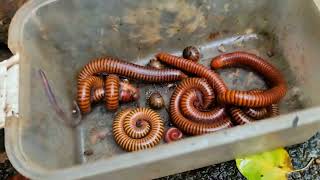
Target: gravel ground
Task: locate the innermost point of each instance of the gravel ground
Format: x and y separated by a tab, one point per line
300	155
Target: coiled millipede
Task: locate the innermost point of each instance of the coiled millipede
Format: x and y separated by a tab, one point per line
93	89
112	65
138	129
199	120
245	98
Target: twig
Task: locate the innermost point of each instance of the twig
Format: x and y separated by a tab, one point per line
53	101
304	168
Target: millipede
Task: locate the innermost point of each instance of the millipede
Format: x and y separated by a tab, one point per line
85	87
244	98
94	89
138	129
256	113
273	110
247	115
198	105
201	123
241	117
194	68
119	67
112	85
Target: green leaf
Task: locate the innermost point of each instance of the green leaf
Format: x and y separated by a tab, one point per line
266	166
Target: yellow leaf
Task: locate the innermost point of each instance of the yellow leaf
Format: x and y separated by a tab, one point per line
272	165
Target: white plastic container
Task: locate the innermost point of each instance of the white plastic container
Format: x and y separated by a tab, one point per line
60	36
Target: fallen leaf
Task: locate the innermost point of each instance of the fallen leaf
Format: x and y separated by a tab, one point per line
271	165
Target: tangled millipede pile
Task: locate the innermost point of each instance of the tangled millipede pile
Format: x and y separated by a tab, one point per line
201	103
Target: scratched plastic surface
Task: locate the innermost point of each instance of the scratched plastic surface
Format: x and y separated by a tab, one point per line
61	36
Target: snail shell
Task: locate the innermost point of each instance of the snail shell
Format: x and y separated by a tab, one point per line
155	64
192	53
173	134
156	101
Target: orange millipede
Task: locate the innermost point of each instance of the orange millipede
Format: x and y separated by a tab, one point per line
192	126
251	114
112	92
190	111
138	129
194	68
239	116
244	98
273	110
98	94
256	113
92	89
85	87
112	65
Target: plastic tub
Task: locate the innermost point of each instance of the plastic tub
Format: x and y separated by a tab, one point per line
60	36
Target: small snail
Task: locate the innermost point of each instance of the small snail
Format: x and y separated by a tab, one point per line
173	134
156	101
155	64
192	53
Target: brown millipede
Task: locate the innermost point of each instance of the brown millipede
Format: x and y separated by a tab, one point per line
138	129
98	94
194	68
256	113
239	116
251	114
244	98
273	110
112	65
198	125
192	53
190	111
93	89
173	134
85	87
112	86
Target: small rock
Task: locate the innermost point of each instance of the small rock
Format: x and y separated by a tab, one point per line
226	7
88	152
249	31
97	135
221	49
270	53
171	85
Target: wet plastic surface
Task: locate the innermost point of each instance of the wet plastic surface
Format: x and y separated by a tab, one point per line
60	36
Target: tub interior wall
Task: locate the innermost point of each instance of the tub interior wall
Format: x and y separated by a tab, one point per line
62	36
